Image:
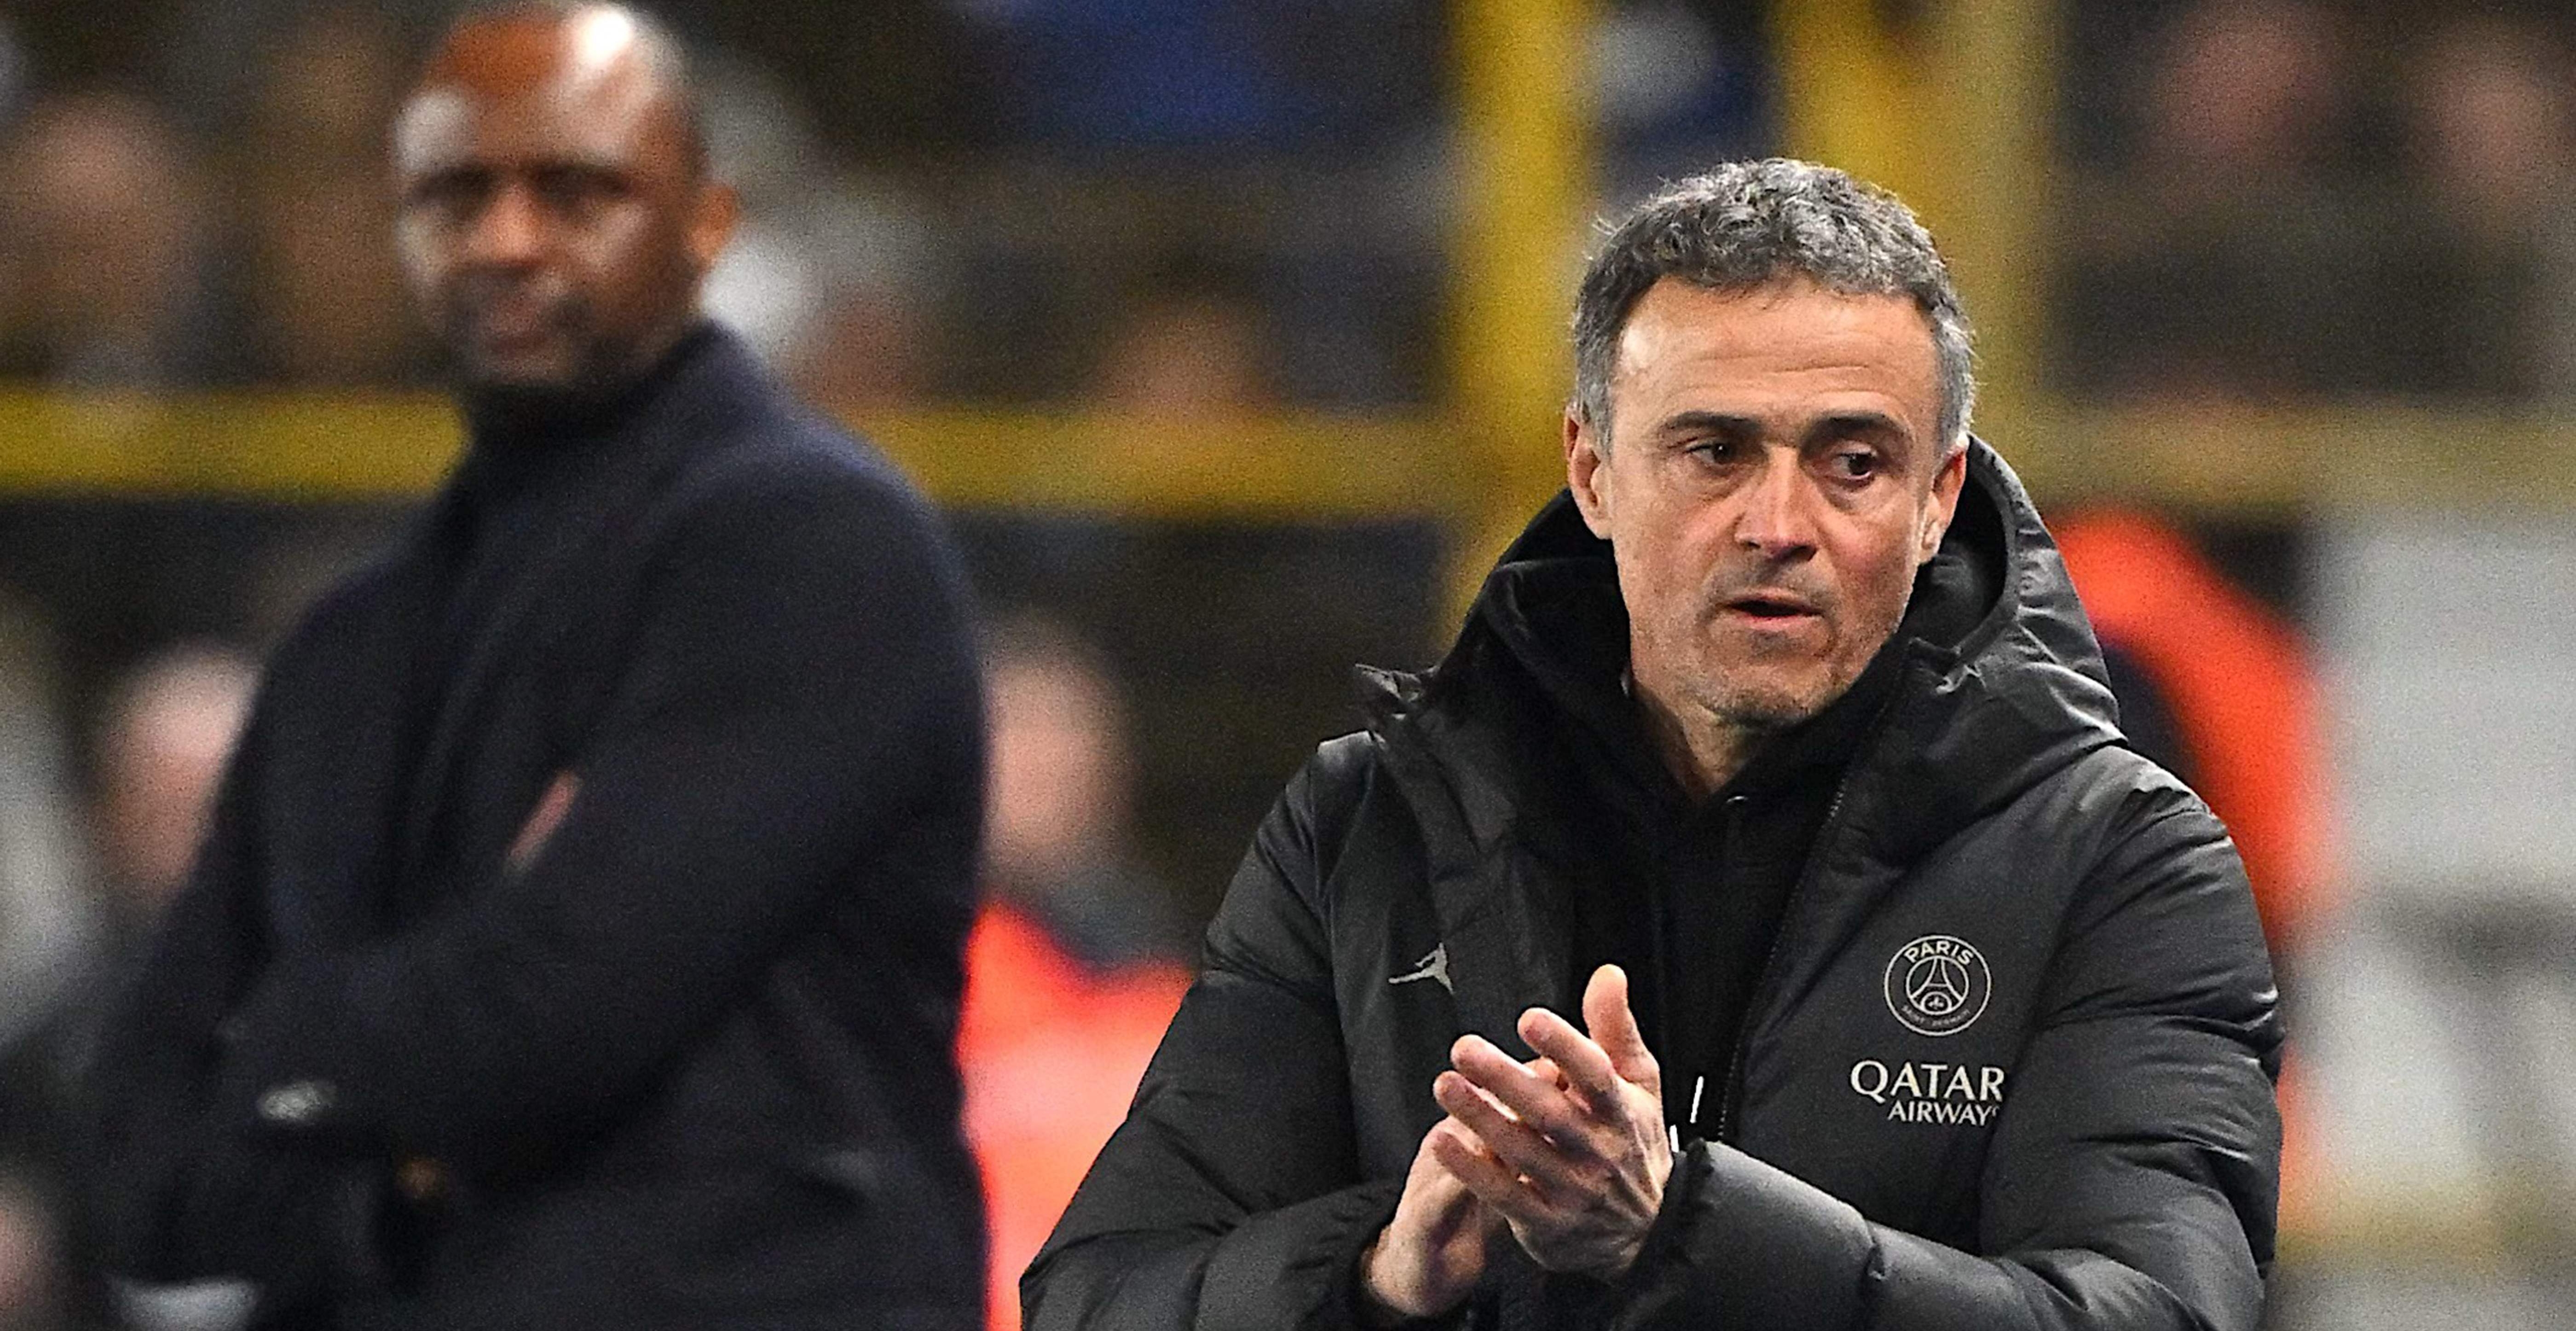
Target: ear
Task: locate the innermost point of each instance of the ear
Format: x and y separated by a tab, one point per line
711	221
1946	484
1586	475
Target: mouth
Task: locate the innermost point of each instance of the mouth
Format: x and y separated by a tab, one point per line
510	317
512	323
1778	607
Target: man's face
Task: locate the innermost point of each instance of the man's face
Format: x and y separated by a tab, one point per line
1775	477
553	222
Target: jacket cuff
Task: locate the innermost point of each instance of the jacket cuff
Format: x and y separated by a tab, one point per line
1742	1244
1297	1266
1573	1300
1682	1193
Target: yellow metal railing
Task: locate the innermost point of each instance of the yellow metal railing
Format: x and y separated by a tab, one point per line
2240	461
291	446
274	445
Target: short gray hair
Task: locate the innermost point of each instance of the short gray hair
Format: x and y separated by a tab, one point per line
1750	224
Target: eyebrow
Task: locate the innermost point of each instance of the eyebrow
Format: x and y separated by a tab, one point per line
1842	423
1714	422
485	170
1827	427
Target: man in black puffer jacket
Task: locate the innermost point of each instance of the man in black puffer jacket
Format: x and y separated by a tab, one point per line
1911	997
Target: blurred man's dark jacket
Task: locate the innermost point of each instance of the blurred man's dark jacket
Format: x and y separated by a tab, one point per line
406	1059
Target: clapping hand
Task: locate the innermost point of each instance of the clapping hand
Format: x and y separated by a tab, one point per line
1566	1151
1575	1162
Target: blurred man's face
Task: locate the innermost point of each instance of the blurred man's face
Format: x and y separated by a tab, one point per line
1056	783
553	221
96	203
1774	478
160	760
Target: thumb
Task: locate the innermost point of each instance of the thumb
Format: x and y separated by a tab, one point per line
1613	1026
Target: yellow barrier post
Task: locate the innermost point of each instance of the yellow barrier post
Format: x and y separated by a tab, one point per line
1954	116
1988	190
1525	189
1848	96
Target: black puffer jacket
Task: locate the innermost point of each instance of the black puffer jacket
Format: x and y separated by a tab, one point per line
2009	1064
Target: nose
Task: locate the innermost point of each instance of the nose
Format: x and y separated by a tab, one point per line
509	232
1778	516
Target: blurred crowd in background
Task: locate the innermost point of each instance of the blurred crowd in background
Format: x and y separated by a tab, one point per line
1192	203
1203	209
2273	200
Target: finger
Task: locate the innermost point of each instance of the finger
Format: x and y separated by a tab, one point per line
1613	1024
1539	1101
542	822
1584	1063
1518	1146
1437	1188
1500	1131
1465	1157
1457	1204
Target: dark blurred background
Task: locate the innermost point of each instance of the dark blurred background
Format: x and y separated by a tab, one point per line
1230	331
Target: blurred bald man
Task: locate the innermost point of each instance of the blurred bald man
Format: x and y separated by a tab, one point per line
577	941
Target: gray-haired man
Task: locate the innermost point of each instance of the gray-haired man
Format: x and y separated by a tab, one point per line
1779	748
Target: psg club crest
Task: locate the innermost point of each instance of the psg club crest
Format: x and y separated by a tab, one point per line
1938	985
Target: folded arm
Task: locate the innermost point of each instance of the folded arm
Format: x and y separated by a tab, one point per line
802	683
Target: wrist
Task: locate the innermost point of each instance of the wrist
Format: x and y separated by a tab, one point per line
1379	1302
1687	1179
1375	1308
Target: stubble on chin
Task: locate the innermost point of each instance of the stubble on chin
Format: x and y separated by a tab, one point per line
1758	714
1733	699
1760	697
1756	709
1762	707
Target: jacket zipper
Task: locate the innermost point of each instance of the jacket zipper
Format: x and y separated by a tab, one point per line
1730	841
1734	1088
1732	1094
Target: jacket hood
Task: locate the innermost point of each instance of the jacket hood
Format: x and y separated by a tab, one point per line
1992	682
2021	695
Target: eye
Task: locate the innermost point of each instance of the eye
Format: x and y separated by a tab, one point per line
1852	463
577	190
1718	451
450	195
